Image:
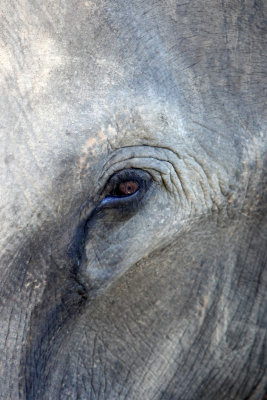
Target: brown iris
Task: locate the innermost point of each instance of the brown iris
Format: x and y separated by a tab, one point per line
128	188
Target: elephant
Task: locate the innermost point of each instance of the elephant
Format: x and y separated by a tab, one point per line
133	213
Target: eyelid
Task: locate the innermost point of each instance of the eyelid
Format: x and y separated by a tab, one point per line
109	201
121	176
155	168
157	160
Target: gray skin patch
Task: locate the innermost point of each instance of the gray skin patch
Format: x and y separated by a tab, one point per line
154	297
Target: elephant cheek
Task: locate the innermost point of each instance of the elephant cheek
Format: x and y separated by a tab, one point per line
102	264
98	267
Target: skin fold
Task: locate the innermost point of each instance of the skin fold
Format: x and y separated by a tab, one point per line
160	295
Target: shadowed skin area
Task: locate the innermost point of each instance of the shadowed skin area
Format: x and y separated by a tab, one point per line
159	295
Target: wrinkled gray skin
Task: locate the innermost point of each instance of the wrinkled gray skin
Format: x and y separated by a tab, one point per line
167	299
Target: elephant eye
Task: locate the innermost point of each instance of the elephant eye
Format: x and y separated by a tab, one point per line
125	189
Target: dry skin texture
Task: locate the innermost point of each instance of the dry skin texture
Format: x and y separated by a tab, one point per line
158	296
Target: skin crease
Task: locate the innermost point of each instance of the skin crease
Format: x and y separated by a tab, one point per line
164	300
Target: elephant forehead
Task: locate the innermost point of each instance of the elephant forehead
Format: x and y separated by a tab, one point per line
82	79
80	65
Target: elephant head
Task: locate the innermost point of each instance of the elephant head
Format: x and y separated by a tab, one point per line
133	236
